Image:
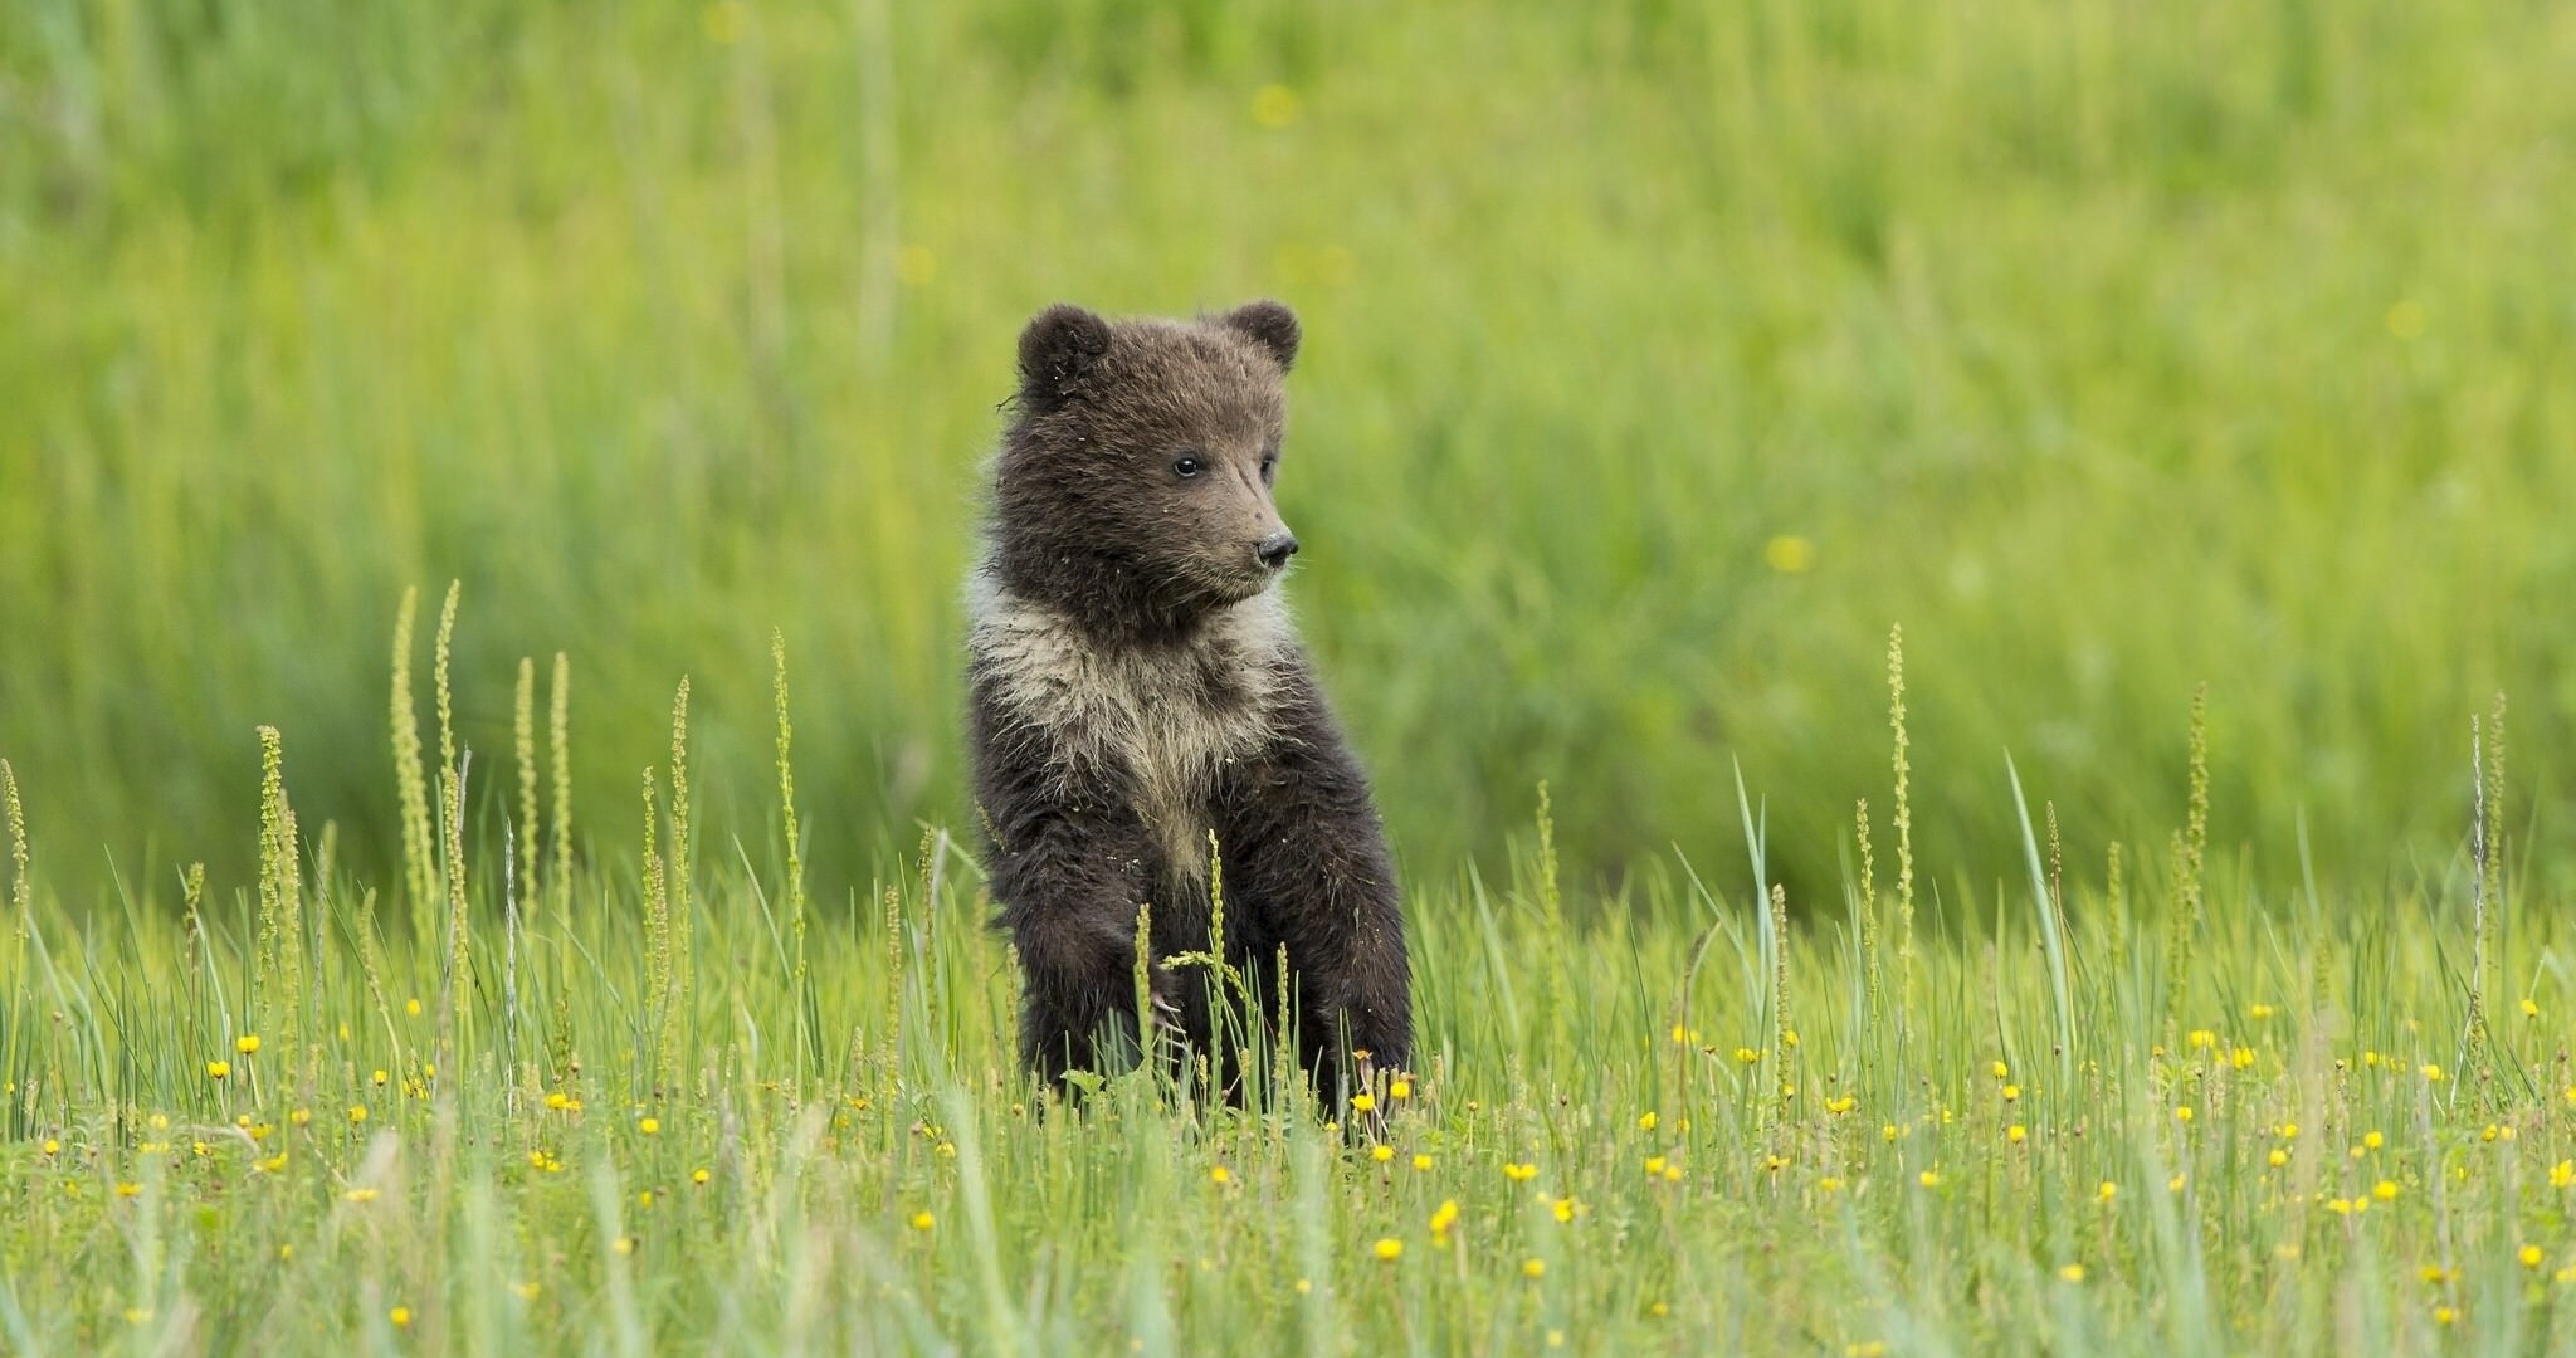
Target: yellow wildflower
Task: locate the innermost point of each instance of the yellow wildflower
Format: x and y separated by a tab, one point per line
1533	1268
246	1043
1389	1249
2073	1273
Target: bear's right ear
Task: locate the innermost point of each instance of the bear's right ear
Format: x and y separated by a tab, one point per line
1057	349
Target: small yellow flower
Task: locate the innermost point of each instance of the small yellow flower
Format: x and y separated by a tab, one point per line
412	1008
2444	1315
1788	1037
1646	1121
526	1291
2000	1070
2560	1175
2531	1254
624	1244
274	1163
1421	1161
1930	1178
1275	106
1381	1153
2434	1273
400	1316
2183	1114
2106	1192
359	1195
1389	1249
2202	1039
699	1176
2372	1141
1564	1208
2073	1273
246	1043
1219	1174
300	1117
1399	1088
1829	1184
1747	1055
2385	1190
2277	1158
128	1190
922	1221
1363	1102
2530	1010
2488	1133
1789	554
1304	1286
1444	1217
2259	1012
53	1147
357	1113
285	1252
1519	1173
1867	1348
2432	1073
1672	1174
380	1077
1842	1105
645	1199
1654	1165
2287	1131
649	1126
1888	1132
218	1070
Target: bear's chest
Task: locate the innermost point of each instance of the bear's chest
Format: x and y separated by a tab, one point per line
1160	724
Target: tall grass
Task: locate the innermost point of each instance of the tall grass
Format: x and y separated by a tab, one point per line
668	1113
1661	355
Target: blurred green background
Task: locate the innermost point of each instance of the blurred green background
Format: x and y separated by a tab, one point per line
1660	356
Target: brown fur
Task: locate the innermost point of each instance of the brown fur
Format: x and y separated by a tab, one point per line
1136	685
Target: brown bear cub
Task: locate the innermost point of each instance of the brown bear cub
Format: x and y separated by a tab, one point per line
1137	686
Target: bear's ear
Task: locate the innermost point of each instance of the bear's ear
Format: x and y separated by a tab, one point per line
1270	324
1057	349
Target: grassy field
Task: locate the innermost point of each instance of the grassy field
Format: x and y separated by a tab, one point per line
670	1106
1661	356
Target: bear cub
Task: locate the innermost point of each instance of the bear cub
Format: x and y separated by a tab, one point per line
1136	686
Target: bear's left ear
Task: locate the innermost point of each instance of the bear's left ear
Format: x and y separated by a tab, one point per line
1269	323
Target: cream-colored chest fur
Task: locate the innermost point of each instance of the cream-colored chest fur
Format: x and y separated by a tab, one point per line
1169	718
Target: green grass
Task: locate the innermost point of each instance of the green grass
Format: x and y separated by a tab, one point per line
1660	357
2108	352
655	1107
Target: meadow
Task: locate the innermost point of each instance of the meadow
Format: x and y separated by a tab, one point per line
2174	959
516	1103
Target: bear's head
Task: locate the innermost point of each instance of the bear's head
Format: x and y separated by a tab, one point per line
1133	488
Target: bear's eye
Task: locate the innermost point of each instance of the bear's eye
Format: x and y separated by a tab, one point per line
1269	468
1187	465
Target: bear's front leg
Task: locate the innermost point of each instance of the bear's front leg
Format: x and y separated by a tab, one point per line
1306	862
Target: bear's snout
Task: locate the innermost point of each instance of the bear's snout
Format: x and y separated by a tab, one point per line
1275	549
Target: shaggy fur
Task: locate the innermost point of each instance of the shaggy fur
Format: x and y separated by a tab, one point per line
1136	685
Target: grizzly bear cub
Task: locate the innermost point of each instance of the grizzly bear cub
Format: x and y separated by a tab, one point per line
1136	687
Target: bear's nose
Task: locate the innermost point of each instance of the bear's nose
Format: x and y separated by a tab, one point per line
1275	549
